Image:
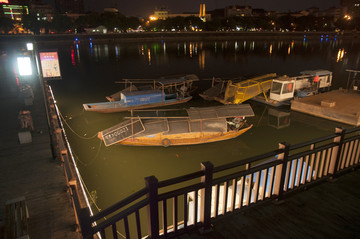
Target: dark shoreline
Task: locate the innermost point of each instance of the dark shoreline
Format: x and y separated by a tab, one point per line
174	36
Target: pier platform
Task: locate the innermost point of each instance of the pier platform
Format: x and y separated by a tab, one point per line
28	169
339	105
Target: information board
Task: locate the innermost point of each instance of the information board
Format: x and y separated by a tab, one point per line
50	65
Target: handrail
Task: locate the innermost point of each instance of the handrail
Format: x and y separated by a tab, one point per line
180	191
120	215
312	151
310	142
353	130
120	204
180	179
247	172
246	161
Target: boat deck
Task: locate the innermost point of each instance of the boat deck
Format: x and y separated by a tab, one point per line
336	105
29	170
328	210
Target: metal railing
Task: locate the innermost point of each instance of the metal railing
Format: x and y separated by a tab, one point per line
174	206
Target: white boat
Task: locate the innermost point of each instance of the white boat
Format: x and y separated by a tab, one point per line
283	89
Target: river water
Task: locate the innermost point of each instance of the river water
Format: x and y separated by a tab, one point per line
90	70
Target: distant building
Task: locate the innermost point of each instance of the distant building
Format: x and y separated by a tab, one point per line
332	12
14	12
97	30
69	6
350	7
257	12
163	14
160	13
112	10
238	11
42	12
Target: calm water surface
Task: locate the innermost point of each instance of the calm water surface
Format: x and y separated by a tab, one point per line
90	71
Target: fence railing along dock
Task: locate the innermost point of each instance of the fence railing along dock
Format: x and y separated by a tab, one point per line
174	206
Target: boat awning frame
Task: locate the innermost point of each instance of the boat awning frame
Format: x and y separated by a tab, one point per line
225	111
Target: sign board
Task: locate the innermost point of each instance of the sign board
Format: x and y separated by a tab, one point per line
50	65
122	131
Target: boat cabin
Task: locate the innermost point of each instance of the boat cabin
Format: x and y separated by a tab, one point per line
309	82
320	78
282	88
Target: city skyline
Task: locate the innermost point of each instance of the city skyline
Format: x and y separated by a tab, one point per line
141	8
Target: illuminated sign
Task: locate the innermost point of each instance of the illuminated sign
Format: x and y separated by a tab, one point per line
24	64
4	1
50	65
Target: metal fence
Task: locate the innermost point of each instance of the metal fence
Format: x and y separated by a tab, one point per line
174	206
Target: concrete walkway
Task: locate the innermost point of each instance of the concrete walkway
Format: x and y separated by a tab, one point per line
29	169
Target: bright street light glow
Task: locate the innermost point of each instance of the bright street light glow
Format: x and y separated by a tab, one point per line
24	64
29	46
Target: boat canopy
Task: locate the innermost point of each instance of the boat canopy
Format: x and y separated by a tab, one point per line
225	111
316	72
163	81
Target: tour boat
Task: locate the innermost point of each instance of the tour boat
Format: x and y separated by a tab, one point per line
198	126
150	94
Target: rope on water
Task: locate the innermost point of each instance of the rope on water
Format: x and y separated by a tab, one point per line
80	136
93	159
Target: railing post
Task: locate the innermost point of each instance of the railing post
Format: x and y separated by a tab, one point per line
153	207
281	170
85	223
336	152
205	204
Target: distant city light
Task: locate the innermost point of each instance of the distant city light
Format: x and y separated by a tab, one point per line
29	46
24	65
153	18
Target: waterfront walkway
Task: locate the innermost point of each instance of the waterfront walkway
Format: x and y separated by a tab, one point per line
30	170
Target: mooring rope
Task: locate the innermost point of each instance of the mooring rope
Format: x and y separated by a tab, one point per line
82	137
93	159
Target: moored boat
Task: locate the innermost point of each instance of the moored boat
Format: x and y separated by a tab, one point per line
150	94
237	90
201	125
284	89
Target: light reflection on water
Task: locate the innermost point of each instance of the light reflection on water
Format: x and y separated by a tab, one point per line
117	171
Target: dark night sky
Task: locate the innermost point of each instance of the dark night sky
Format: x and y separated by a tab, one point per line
144	8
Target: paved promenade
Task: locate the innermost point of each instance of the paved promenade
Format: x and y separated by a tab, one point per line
29	170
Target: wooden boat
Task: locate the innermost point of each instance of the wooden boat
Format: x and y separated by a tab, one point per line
148	94
201	125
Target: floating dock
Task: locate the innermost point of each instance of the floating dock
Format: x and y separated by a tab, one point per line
340	105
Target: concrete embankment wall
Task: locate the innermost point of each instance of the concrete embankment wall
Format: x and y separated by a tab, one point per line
176	36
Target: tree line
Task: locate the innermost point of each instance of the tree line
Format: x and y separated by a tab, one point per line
116	22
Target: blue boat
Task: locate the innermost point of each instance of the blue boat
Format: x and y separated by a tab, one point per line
142	94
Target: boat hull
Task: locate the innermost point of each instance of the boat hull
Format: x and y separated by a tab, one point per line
182	139
113	107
